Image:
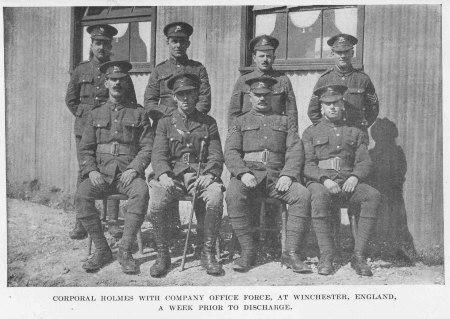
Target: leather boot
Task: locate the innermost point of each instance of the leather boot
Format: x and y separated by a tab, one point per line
78	231
211	229
293	260
248	253
102	255
127	262
360	265
163	262
325	266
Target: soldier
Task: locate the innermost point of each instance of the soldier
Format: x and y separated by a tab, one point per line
175	158
85	91
265	157
283	101
115	150
361	101
158	100
337	164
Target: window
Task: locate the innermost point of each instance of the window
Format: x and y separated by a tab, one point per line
135	38
303	33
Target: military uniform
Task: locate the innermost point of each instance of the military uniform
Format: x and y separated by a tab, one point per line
337	151
283	100
263	144
117	137
158	97
176	152
361	101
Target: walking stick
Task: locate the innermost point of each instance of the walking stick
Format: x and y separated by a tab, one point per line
194	198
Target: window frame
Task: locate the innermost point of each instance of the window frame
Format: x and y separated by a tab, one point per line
77	25
247	32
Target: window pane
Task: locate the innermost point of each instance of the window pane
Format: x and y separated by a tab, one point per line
119	11
100	11
142	11
121	42
304	31
273	24
140	33
337	21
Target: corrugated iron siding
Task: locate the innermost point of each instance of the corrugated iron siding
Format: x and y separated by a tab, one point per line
402	55
39	127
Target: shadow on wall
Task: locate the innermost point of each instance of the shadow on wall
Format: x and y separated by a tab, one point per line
389	170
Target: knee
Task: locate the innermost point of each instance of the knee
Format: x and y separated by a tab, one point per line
214	198
300	194
321	197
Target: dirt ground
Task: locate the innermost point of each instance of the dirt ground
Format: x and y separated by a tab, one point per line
41	254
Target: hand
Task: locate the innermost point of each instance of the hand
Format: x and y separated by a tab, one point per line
127	177
283	184
167	183
249	180
332	186
96	178
350	184
203	181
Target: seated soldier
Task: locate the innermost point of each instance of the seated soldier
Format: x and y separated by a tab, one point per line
115	150
337	163
175	159
265	157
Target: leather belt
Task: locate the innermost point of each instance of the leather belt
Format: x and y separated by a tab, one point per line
335	163
264	157
115	148
187	158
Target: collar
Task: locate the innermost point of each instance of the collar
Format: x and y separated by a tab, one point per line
327	122
259	73
344	73
97	63
181	60
117	106
258	113
183	116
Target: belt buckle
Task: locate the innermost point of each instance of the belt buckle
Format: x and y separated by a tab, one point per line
186	158
265	156
336	164
115	148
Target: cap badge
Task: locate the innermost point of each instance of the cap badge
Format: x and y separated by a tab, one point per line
177	28
341	39
264	42
102	30
116	69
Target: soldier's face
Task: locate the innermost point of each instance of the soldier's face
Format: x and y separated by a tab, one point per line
116	86
186	100
101	49
261	101
343	58
177	46
264	59
333	110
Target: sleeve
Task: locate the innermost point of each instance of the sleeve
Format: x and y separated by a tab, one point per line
204	101
372	104
235	107
73	93
88	147
312	171
314	110
295	155
291	105
151	96
131	93
363	164
233	152
143	157
161	151
214	164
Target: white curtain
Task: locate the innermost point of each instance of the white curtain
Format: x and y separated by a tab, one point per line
346	20
146	35
121	28
265	24
304	19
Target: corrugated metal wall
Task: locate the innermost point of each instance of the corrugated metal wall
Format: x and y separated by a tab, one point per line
39	127
402	55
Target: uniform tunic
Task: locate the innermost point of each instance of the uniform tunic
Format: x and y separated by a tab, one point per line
361	101
158	100
328	140
283	100
117	137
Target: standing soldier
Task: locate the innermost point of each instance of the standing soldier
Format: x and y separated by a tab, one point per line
175	159
283	101
337	164
361	102
158	100
265	157
115	150
86	90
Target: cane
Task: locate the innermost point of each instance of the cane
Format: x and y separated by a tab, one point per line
194	198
